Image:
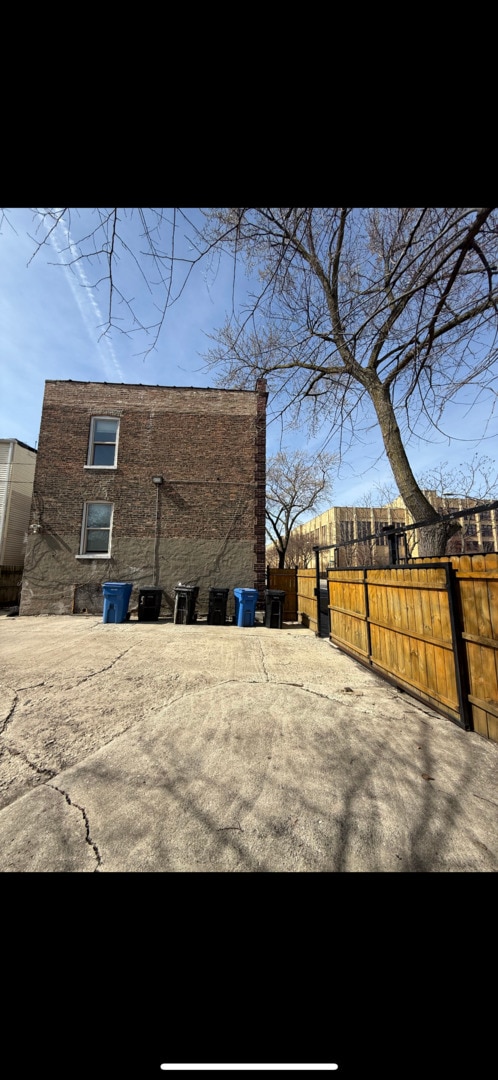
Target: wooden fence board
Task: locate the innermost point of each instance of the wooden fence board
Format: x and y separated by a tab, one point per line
285	580
477	580
399	622
306	599
476	590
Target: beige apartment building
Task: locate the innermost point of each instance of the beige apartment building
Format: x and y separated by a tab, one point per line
17	473
342	524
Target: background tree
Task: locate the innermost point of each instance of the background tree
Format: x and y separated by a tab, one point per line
296	484
354	312
473	481
300	550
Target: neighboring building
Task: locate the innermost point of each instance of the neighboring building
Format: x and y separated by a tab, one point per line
153	485
478	533
17	472
341	524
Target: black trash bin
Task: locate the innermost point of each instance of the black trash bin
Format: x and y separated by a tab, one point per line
185	601
274	613
217	613
149	604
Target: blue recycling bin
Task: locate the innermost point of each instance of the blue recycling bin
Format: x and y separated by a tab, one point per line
245	606
116	599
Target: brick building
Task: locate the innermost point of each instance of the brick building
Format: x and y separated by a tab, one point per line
149	484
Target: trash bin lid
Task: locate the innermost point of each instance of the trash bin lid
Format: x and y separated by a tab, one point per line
280	593
247	593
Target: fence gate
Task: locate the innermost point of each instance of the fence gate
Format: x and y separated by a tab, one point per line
401	623
476	578
287	580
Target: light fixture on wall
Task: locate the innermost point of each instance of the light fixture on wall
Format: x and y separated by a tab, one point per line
157	480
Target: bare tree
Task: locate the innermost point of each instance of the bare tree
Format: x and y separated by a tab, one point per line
475	479
300	550
360	308
356	313
296	484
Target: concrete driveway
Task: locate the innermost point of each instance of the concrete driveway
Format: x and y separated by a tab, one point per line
159	747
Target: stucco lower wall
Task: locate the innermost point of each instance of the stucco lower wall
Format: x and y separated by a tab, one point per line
56	583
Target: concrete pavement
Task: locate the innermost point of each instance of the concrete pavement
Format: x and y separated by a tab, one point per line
152	747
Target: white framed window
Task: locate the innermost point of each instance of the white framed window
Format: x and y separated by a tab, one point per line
103	444
96	530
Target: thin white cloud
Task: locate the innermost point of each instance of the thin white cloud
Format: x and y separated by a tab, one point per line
85	298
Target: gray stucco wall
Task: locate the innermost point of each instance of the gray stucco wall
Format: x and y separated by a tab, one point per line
56	583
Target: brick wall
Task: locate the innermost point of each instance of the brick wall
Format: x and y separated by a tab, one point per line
209	447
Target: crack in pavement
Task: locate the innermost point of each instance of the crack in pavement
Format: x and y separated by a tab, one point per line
100	670
82	810
10	714
31	686
483	799
38	769
263	661
240	682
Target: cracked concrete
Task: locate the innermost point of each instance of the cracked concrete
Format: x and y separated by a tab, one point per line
226	749
83	812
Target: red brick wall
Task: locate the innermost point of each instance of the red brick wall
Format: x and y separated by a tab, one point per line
260	476
208	444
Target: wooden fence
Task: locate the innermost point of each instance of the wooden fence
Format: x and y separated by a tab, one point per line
10	584
476	586
286	580
300	599
431	626
307	600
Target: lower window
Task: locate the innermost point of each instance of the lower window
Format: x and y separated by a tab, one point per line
96	533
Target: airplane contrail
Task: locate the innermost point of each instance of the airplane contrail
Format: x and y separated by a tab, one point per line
87	291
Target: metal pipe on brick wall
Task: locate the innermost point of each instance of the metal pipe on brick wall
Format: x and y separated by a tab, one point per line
157	480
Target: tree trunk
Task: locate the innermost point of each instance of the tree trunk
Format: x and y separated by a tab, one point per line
281	560
433	537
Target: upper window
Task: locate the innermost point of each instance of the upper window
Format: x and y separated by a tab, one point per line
103	447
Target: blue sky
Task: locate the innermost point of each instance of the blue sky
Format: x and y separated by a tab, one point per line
50	328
